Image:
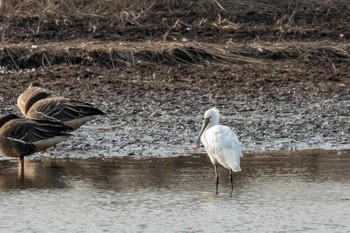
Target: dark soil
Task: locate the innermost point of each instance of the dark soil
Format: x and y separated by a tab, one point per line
278	71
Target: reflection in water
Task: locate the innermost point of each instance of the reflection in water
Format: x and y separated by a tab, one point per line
36	174
274	192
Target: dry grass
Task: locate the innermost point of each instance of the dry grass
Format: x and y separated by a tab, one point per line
103	17
110	55
113	55
285	15
282	12
119	13
98	8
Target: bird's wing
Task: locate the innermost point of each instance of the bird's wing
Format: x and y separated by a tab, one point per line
61	109
30	131
236	144
224	146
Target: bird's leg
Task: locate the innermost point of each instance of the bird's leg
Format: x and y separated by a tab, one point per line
21	159
217	179
231	179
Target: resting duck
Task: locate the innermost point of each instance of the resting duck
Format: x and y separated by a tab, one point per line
39	103
20	137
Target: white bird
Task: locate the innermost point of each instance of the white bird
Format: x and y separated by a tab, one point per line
221	144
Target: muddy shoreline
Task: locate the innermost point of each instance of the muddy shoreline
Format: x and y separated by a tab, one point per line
153	113
278	72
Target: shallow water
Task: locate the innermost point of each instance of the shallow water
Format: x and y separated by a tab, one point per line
275	192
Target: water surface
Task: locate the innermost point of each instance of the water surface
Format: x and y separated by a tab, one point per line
275	192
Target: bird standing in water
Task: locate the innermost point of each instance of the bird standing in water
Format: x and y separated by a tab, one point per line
221	144
20	137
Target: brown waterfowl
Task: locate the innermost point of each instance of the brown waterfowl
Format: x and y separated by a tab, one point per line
37	103
20	137
70	112
33	93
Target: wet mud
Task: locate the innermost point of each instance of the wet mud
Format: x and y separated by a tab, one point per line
151	111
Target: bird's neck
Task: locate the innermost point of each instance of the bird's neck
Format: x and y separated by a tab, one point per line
210	125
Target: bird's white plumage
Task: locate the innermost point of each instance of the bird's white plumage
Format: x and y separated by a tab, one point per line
221	143
222	146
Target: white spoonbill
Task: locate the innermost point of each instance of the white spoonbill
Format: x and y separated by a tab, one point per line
221	144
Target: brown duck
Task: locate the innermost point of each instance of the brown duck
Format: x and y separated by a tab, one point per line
39	103
33	93
20	137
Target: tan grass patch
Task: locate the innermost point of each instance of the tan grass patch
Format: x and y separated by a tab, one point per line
112	55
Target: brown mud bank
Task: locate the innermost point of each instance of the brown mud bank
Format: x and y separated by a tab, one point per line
157	109
278	71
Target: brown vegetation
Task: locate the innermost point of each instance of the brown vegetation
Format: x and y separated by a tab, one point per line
172	31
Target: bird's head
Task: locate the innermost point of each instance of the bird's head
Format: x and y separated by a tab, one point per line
211	117
34	84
